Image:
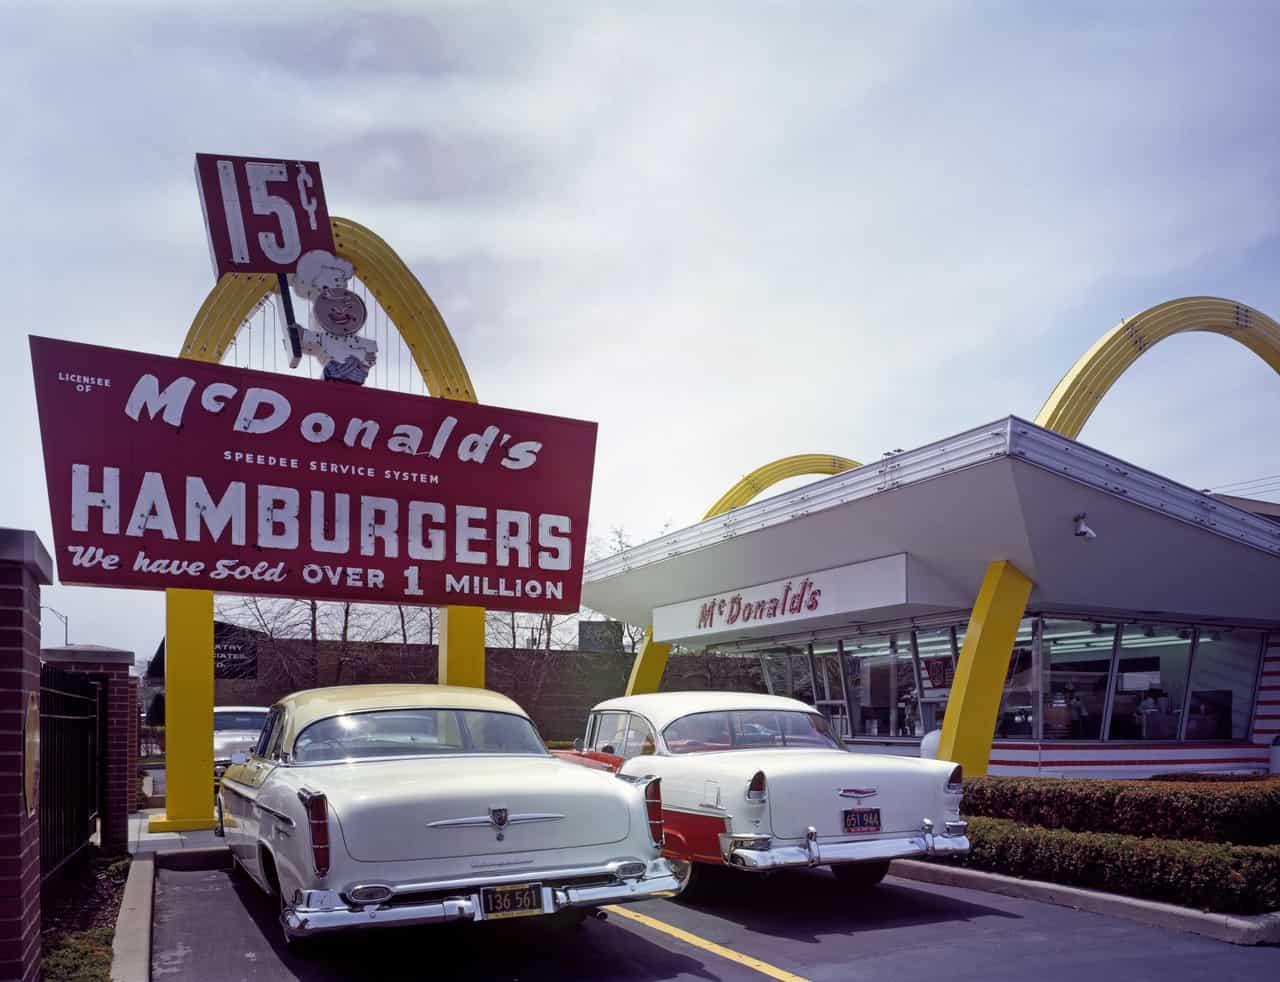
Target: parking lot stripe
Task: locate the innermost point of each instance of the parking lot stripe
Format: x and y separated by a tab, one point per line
764	968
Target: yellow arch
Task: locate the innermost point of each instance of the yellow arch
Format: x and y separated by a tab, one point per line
651	659
389	280
763	478
1082	388
189	613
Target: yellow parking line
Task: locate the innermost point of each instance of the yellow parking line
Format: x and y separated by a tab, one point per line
764	968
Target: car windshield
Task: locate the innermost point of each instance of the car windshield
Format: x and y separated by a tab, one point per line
749	729
414	732
239	719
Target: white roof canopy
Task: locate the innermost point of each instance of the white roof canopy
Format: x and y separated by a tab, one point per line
1008	490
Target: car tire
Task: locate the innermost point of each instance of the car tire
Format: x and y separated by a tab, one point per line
693	880
861	876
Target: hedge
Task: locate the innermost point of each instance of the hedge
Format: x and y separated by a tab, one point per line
1209	876
1195	777
1244	813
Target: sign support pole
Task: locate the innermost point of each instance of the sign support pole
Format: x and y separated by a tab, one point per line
188	675
462	646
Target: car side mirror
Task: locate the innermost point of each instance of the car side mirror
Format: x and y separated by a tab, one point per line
239	757
577	744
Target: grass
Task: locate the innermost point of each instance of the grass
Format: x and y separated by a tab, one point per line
83	956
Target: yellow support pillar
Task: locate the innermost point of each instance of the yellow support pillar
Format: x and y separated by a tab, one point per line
462	646
188	678
970	722
650	663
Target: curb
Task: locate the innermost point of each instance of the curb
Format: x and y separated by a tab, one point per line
211	857
1241	929
131	946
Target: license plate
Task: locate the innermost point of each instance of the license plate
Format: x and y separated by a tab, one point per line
512	900
862	819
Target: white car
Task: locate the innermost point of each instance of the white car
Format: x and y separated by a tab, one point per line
235	729
761	783
375	805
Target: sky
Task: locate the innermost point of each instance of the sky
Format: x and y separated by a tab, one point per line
726	231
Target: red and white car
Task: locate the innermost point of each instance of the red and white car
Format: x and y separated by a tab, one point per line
761	783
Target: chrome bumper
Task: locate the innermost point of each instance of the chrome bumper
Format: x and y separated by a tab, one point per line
811	851
321	911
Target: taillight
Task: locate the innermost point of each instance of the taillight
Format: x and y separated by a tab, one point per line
653	805
317	809
756	790
955	783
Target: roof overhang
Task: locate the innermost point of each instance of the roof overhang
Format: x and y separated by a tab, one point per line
1009	490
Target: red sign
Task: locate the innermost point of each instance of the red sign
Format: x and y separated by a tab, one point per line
261	215
167	472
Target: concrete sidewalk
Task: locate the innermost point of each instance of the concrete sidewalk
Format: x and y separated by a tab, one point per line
143	841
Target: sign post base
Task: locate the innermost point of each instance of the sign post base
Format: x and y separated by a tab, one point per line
188	672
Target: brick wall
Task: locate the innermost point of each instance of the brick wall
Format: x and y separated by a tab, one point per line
556	690
24	567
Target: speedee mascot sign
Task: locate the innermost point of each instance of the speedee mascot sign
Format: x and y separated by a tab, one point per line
167	472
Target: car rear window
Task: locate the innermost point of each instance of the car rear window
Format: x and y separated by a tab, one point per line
232	719
415	732
747	729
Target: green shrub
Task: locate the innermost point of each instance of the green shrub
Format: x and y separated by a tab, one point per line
1240	812
84	956
1210	876
1194	777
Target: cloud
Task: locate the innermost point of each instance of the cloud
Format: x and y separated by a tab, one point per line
728	232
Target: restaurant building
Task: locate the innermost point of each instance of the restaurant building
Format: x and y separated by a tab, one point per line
1149	640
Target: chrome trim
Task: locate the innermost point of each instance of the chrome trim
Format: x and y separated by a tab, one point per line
813	851
549	876
954	828
485	821
858	792
388	893
277	815
285	762
321	911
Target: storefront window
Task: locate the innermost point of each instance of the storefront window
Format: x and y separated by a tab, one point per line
1077	657
882	687
937	672
1016	719
1150	683
1223	673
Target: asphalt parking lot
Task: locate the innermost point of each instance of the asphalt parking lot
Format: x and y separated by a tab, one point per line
796	926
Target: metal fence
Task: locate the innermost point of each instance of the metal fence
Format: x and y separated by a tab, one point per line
71	716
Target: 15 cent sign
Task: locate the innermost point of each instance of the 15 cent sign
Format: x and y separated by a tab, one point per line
261	215
167	472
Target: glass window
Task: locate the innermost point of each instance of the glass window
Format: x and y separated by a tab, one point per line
611	731
1077	664
1016	719
1223	673
747	730
264	737
1150	685
404	732
882	687
937	673
239	719
640	741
